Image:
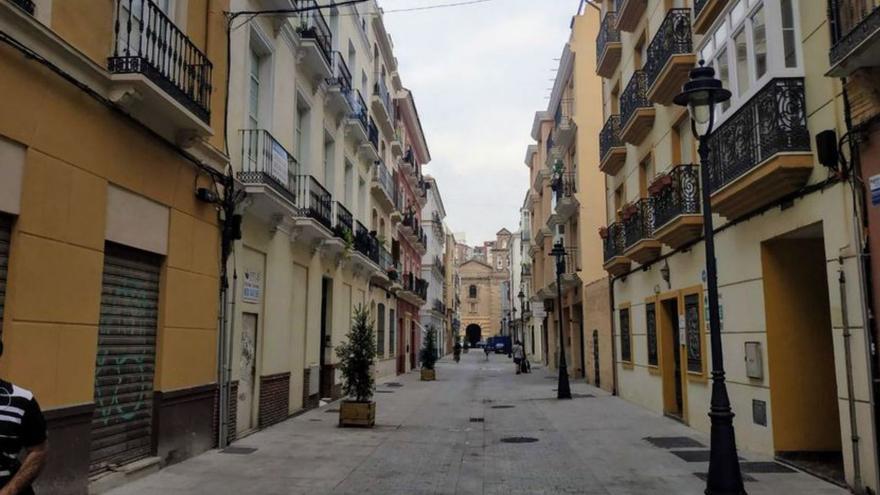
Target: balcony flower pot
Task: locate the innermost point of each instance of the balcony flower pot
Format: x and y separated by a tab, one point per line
357	356
660	183
428	375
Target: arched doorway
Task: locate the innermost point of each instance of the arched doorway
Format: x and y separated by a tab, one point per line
473	334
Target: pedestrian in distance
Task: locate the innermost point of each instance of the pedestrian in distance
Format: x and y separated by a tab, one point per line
23	428
456	352
486	350
518	356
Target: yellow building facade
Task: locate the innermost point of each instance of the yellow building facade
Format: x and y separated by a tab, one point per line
110	263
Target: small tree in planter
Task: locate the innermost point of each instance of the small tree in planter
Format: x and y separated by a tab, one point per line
356	358
428	355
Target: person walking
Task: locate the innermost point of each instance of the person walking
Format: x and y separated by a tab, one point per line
486	350
23	427
518	356
456	352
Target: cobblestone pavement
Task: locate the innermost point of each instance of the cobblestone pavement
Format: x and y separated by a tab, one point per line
447	437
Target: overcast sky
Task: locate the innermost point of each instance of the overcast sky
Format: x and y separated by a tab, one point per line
478	74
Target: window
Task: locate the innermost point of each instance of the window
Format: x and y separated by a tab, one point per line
302	133
759	42
685	140
693	338
349	184
329	163
788	35
722	67
254	90
392	327
742	62
473	307
625	337
646	173
651	330
380	329
472	291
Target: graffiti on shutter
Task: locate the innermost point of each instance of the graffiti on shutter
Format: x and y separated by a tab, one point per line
5	227
125	364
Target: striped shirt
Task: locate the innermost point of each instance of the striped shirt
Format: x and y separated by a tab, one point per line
21	426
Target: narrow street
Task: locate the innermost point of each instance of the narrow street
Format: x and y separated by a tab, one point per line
448	437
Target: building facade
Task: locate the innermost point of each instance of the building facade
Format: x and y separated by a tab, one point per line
109	262
566	204
452	292
787	250
434	267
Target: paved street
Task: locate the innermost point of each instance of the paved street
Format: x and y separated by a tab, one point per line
447	437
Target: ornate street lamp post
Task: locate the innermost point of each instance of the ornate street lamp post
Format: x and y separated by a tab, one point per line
562	389
700	95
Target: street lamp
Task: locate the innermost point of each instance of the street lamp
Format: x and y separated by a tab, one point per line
700	95
562	389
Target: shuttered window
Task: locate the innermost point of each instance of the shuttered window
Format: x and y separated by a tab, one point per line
125	365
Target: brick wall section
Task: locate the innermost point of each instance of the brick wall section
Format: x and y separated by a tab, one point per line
274	398
310	398
863	88
233	412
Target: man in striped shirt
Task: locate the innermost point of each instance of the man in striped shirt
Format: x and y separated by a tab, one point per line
22	427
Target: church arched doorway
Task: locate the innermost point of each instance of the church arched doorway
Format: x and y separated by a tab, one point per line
473	334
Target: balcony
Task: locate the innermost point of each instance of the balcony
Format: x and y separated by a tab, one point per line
316	40
314	217
158	73
25	5
677	213
564	188
358	121
554	152
414	233
382	185
608	46
408	166
636	111
540	176
369	149
399	203
383	106
613	242
365	243
638	228
761	153
612	151
670	57
397	144
339	86
566	128
438	307
705	13
857	45
389	271
343	228
267	172
629	12
414	290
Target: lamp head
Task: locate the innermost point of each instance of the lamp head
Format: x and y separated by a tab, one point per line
700	95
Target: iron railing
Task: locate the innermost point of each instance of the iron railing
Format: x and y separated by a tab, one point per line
608	33
634	97
383	177
365	242
526	270
373	133
640	224
265	161
439	306
359	110
564	112
341	75
681	196
698	7
571	261
773	121
312	25
26	5
421	288
673	38
614	242
564	185
344	227
609	137
386	262
147	42
380	89
853	21
313	200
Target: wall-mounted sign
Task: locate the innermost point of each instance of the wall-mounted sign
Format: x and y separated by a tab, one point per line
252	287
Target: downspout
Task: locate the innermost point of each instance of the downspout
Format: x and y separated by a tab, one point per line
850	389
613	340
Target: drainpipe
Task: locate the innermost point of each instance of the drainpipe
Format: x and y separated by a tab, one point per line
847	352
613	341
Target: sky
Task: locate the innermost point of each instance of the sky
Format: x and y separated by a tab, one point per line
478	74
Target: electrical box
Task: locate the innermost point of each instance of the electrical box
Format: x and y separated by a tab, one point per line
754	360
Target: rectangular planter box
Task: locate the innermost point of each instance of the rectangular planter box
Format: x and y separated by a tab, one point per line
428	375
353	413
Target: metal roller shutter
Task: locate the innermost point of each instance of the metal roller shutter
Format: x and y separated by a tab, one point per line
121	425
5	228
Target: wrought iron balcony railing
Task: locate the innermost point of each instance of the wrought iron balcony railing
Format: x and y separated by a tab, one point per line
634	96
265	161
383	177
856	21
380	89
439	306
564	112
608	33
681	196
773	121
313	200
312	25
147	42
341	77
366	243
564	185
386	262
609	137
639	223
359	109
614	241
344	227
373	133
26	5
672	38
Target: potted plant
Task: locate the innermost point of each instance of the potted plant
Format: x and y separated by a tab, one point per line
603	232
428	355
356	358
